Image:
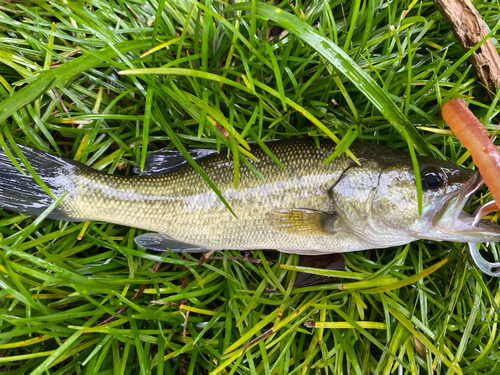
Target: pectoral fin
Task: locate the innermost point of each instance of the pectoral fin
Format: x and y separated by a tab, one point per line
162	242
302	221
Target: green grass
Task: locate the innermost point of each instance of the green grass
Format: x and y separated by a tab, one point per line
106	82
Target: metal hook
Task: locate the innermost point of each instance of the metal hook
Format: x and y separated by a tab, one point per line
492	269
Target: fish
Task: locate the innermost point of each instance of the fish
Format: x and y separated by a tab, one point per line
303	207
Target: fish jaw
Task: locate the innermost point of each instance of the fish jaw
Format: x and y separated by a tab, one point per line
453	224
470	230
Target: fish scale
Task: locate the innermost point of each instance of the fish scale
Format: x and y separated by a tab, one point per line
304	208
183	206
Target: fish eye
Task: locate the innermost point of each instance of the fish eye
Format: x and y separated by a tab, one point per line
431	180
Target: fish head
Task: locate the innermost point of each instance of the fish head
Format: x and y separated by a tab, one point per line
378	201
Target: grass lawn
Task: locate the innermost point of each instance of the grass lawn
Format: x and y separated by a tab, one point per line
106	82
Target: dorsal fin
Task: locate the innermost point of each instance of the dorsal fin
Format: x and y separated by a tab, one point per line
167	161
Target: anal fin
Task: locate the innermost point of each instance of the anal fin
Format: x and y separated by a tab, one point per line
162	242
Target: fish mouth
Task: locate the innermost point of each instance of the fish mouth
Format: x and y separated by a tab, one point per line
463	227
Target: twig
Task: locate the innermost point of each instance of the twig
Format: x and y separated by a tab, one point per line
65	56
259	338
469	29
60	101
124	309
205	256
184	330
136	295
246	259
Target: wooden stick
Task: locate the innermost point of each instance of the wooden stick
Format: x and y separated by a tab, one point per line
469	29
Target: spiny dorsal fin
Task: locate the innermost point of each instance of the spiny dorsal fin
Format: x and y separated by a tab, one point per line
167	161
301	221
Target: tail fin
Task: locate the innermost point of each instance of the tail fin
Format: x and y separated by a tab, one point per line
21	193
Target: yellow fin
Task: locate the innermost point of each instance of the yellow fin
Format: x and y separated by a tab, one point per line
302	221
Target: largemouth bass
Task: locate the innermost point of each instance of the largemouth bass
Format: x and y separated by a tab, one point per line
305	208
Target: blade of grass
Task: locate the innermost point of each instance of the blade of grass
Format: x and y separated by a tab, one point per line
346	66
57	76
